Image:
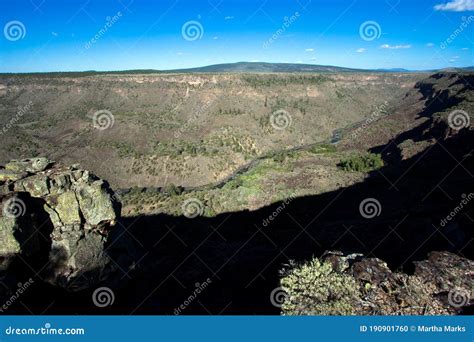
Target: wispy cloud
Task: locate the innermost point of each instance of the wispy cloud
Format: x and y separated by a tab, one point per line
360	50
395	47
465	49
430	45
309	50
229	17
456	6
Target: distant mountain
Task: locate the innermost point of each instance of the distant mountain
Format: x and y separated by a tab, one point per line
394	70
243	67
267	67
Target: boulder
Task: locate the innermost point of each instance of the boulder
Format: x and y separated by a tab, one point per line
58	214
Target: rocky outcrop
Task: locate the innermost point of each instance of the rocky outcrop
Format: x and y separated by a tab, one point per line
356	285
55	220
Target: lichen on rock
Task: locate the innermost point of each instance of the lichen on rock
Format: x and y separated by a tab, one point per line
355	285
66	209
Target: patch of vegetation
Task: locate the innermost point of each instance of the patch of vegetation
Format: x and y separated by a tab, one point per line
173	190
280	80
230	111
362	163
323	148
315	288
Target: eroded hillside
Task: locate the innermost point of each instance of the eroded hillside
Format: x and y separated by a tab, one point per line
183	129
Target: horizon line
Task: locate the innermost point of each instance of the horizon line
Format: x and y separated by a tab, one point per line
394	69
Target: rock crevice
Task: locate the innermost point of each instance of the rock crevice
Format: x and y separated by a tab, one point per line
78	207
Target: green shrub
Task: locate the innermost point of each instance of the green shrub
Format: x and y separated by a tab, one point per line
323	148
362	163
173	190
315	288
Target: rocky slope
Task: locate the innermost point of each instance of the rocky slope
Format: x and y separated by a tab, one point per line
54	220
336	284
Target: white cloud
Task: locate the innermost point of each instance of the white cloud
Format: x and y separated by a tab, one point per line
456	6
229	17
313	58
360	50
309	50
394	47
300	62
465	49
430	45
215	37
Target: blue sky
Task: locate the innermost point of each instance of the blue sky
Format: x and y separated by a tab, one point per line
69	35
